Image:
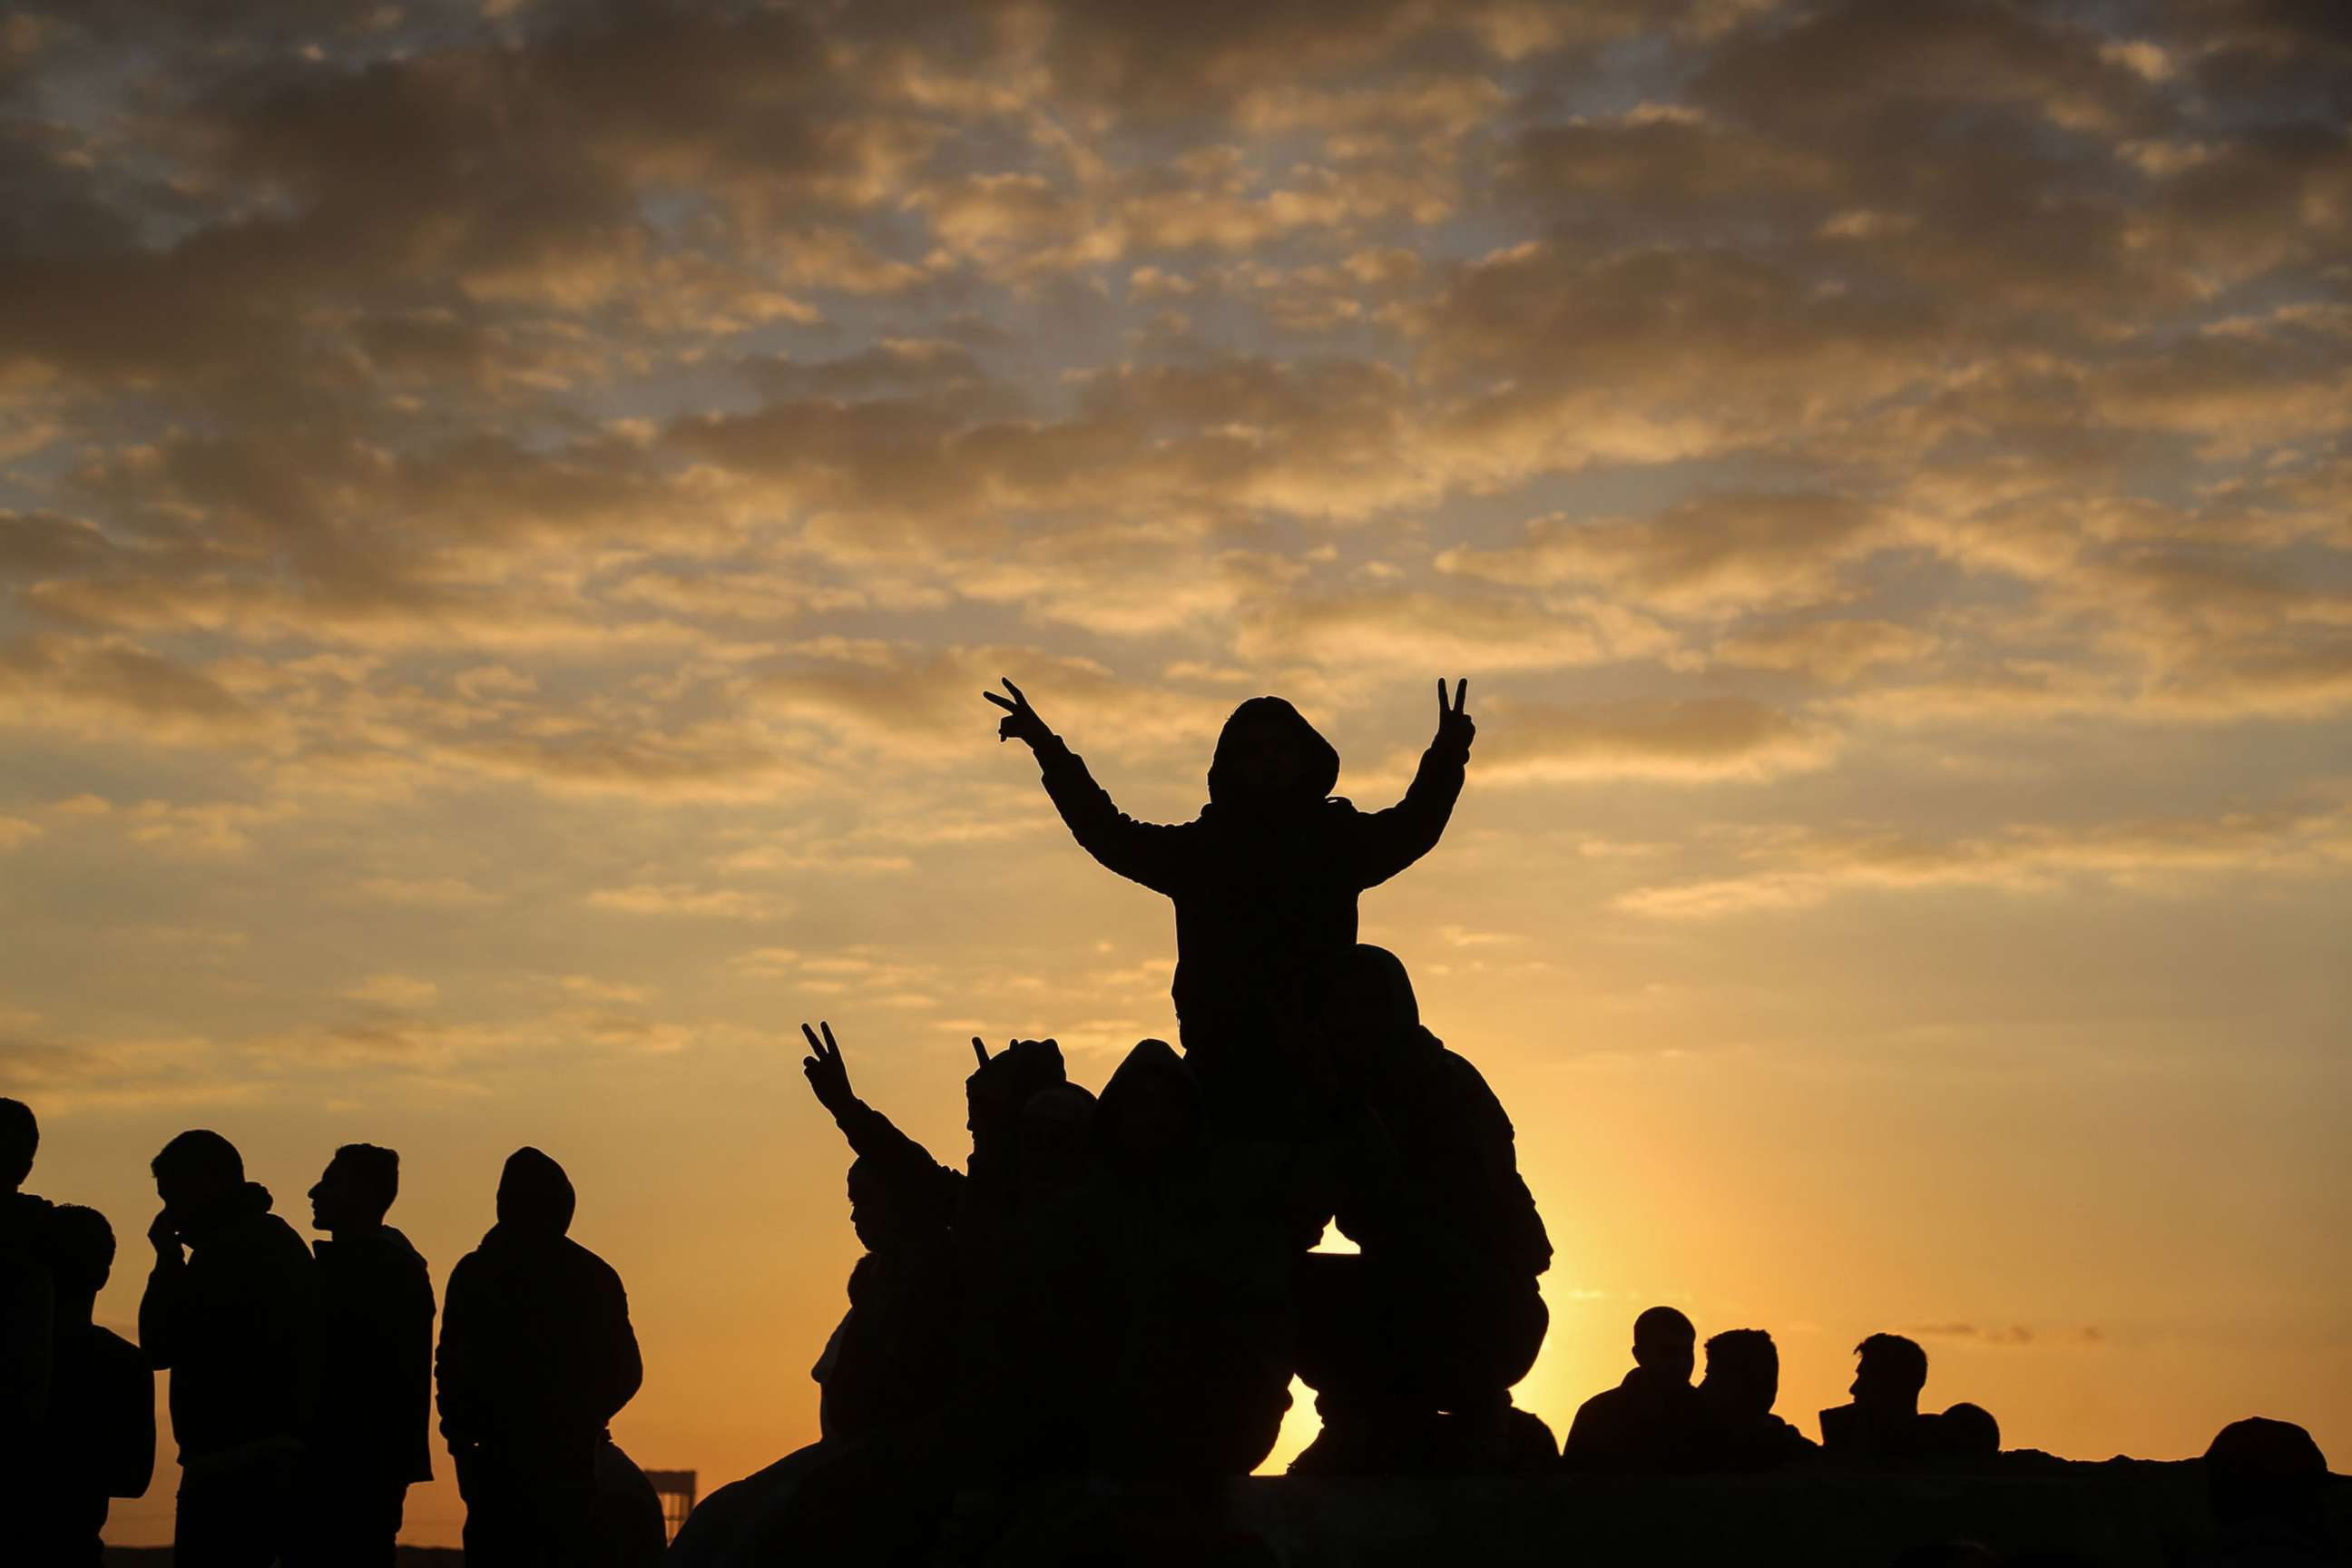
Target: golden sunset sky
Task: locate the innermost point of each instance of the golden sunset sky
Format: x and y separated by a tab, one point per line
507	509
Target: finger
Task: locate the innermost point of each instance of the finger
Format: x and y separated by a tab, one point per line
829	1045
1014	690
980	1050
1460	693
1440	696
810	1036
1001	702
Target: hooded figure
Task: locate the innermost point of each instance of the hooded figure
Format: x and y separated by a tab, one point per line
537	1356
1265	879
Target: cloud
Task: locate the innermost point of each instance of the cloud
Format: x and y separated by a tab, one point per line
426	892
15	833
683	899
395	991
1696	741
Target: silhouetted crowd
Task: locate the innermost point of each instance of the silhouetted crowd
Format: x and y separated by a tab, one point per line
1069	1340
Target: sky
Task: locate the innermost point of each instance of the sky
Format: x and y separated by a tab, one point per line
507	510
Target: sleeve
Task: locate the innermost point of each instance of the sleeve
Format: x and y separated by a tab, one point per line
624	1364
1147	852
130	1458
457	1390
27	1310
1386	842
283	1325
162	1312
906	1164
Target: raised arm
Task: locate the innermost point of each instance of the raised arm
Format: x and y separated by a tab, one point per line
1388	841
872	1135
1147	852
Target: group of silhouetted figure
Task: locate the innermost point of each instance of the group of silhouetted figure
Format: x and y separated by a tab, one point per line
304	1376
1098	1316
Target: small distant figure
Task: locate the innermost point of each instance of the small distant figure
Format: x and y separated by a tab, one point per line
1649	1422
27	1303
537	1357
1738	1431
98	1442
1884	1424
2267	1482
1265	879
232	1312
372	1435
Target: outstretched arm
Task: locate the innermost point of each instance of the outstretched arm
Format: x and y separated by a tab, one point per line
1146	852
1388	841
872	1135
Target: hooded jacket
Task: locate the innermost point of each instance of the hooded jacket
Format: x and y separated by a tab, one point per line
537	1352
237	1325
375	1394
1265	889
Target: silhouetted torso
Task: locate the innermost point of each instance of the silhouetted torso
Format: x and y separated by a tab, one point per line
98	1442
236	1326
28	1327
1735	1439
375	1383
536	1347
1648	1422
892	1357
1857	1435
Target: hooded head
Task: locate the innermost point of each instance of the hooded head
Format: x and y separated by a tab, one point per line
535	1197
998	1088
1371	1018
1149	1114
1270	758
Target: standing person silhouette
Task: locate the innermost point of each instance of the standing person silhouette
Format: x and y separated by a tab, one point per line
372	1433
98	1442
27	1302
1265	879
231	1311
536	1356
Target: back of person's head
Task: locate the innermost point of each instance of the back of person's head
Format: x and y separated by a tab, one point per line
1371	997
1149	1112
1743	1365
1893	1372
534	1195
82	1249
20	1140
1968	1431
1269	755
196	1169
1665	1342
370	1177
2258	1468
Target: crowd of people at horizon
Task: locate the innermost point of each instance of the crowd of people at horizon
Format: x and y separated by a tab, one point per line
1109	1299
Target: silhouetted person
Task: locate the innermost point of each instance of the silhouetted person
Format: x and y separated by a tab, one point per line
536	1356
629	1531
1413	1343
1737	1430
1650	1421
234	1319
99	1441
28	1304
1883	1425
1967	1433
371	1437
1265	879
2267	1483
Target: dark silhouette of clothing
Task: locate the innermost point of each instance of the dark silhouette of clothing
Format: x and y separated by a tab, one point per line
371	1437
1735	1439
628	1531
1650	1421
98	1444
536	1356
28	1327
1265	886
236	1326
892	1357
1857	1435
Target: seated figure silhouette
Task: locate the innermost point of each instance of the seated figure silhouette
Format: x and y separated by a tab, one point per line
1882	1426
1413	1343
1265	879
27	1301
232	1312
2267	1481
98	1440
1650	1421
1737	1428
371	1437
536	1357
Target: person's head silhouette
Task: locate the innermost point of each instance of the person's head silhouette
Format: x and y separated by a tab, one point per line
1056	1141
82	1253
1000	1086
1892	1371
1968	1431
535	1197
1743	1371
1665	1345
20	1139
1149	1112
2259	1470
357	1189
1269	757
195	1173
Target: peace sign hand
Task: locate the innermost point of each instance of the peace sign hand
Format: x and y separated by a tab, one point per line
1455	728
828	1078
1020	721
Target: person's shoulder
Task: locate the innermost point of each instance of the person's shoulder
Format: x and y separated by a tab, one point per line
111	1351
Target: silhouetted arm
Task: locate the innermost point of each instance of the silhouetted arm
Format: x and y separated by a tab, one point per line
128	1463
163	1309
456	1377
1386	842
906	1164
1146	852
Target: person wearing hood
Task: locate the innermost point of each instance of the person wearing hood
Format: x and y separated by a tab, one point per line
536	1356
232	1312
371	1438
1265	879
1413	1344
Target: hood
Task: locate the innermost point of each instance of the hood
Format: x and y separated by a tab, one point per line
535	1197
1318	763
1151	1068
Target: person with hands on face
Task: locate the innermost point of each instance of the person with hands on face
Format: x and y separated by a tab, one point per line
1265	879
